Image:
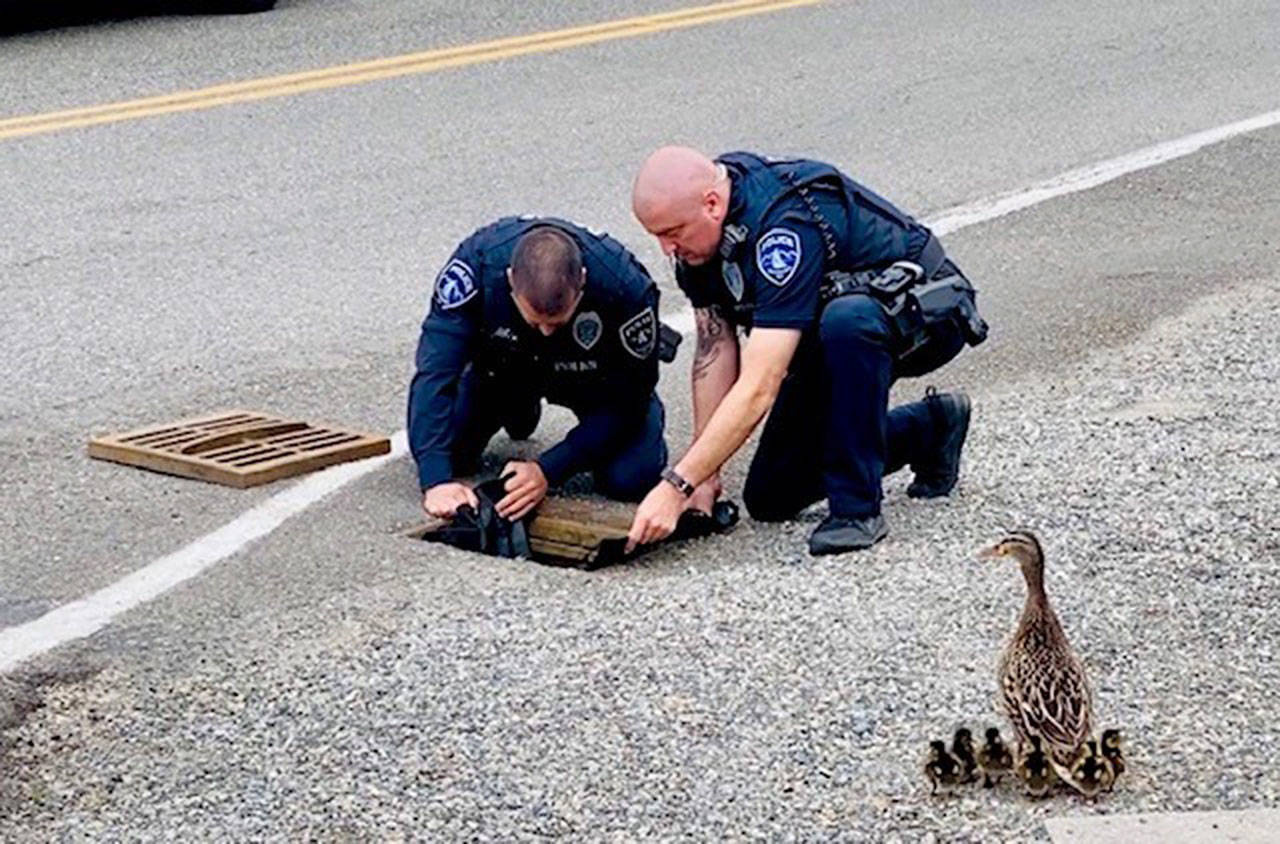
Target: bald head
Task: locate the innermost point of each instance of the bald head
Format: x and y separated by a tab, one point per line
671	176
681	196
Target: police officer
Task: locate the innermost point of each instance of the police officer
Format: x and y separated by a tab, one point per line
841	294
527	309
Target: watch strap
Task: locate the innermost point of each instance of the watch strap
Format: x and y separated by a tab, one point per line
672	477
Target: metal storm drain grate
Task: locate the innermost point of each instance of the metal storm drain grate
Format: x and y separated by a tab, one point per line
237	448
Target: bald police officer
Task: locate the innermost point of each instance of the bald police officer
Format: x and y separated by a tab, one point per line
841	294
533	308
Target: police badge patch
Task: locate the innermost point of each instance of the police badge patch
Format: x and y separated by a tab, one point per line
640	333
455	285
586	329
778	255
732	279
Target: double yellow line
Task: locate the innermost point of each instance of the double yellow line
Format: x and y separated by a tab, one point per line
388	68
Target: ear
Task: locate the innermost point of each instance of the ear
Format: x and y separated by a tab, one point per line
715	205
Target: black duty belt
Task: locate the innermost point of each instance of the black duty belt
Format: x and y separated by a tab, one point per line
890	283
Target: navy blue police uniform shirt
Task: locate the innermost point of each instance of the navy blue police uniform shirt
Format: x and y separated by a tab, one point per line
602	365
777	255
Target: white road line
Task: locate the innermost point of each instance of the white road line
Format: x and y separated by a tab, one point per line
88	615
1083	178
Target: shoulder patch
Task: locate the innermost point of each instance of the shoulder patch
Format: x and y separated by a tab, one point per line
640	334
455	284
778	255
587	329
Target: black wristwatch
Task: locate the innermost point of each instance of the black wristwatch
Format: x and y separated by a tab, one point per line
672	477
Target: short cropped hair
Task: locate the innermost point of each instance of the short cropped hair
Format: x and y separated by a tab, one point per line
546	270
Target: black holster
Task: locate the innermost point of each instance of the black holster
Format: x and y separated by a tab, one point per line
922	299
668	342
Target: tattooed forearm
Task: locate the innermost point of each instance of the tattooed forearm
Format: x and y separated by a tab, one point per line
712	331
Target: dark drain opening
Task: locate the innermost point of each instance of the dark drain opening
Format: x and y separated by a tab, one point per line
589	534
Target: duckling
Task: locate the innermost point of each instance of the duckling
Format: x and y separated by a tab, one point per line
941	767
962	750
994	758
1110	745
1043	687
1035	769
1091	773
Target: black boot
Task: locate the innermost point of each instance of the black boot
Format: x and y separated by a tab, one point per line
937	476
837	534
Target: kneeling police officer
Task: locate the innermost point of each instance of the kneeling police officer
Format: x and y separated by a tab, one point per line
841	294
533	308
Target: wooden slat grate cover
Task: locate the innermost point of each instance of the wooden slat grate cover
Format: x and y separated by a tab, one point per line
238	448
570	530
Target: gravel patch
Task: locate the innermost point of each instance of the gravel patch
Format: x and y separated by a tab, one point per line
735	687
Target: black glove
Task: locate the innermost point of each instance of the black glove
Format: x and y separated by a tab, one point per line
483	530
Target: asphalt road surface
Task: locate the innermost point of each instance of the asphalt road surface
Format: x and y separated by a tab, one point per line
333	680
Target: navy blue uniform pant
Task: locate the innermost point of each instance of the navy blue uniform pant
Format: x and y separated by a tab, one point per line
830	433
484	404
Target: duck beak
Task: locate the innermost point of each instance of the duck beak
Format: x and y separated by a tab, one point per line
989	553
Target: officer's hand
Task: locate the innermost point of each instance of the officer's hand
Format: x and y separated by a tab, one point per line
656	516
525	489
443	500
705	496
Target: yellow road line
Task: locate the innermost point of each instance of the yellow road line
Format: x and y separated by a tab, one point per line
369	71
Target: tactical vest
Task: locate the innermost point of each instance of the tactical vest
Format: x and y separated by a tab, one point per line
932	292
509	348
782	179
